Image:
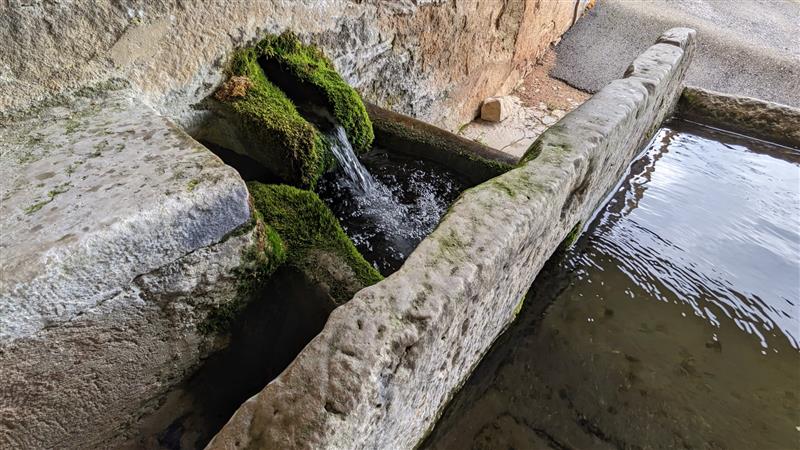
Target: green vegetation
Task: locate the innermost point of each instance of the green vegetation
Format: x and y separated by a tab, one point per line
293	227
259	263
572	236
308	65
519	305
287	143
291	146
306	226
60	189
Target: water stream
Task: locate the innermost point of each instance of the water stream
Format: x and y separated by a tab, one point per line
673	323
388	203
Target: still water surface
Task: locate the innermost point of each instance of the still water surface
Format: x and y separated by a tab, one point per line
673	322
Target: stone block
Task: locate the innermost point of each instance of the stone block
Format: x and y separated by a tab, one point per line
496	109
116	241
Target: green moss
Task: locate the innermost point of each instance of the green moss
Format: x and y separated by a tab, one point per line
258	264
305	224
60	189
72	126
572	236
192	184
519	305
267	112
502	186
310	66
554	139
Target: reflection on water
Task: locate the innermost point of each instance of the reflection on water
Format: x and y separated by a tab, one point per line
673	323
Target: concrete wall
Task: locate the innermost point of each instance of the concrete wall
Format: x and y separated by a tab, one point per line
435	60
386	363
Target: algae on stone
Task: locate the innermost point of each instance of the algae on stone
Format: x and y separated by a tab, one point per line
259	262
313	69
315	242
282	140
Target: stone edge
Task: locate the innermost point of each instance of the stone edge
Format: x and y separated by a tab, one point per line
761	119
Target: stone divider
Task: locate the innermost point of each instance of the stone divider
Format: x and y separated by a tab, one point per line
758	118
404	134
387	362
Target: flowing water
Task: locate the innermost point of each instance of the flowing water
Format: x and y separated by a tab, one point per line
388	204
672	323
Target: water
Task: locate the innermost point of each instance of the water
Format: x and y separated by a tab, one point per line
357	176
388	204
673	323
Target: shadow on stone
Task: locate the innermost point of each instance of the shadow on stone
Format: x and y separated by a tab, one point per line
280	320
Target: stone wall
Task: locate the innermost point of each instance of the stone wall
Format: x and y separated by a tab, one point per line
435	60
387	362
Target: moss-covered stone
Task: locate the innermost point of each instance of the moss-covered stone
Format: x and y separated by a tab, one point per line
315	242
313	69
571	238
287	144
259	262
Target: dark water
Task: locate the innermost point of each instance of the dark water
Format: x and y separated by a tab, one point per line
406	198
673	323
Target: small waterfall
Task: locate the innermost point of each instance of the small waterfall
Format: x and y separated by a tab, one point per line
385	215
348	161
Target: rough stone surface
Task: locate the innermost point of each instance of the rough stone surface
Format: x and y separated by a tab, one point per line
114	230
496	109
758	118
432	59
386	363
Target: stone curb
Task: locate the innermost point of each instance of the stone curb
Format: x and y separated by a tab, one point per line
758	118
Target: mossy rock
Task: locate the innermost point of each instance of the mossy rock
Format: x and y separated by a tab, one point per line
277	136
315	242
304	71
259	262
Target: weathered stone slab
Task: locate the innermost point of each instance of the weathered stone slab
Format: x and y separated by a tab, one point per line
386	363
758	118
114	244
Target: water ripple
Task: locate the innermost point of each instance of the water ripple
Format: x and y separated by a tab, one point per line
713	223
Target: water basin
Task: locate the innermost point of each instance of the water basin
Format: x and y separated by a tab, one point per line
408	199
672	323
